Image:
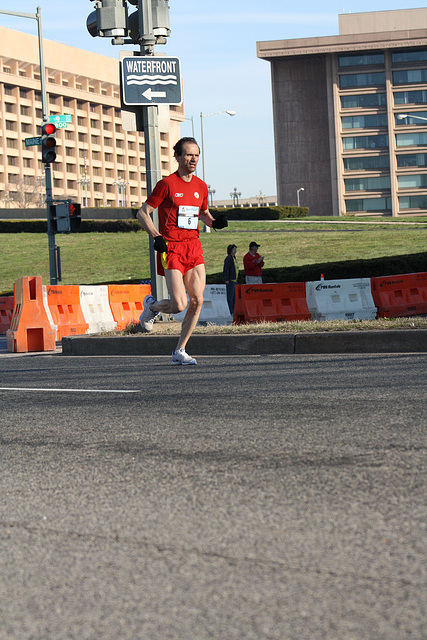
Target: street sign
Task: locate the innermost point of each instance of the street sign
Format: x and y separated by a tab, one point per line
148	80
30	142
57	118
61	121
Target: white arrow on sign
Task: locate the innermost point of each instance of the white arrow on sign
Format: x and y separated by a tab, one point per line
149	94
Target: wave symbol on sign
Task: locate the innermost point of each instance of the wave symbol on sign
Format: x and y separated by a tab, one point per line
133	79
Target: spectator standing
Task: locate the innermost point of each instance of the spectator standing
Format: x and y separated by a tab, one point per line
253	264
230	274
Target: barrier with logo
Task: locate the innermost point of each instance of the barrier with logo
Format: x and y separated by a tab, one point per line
340	299
67	314
6	312
126	302
215	308
30	326
270	302
401	295
96	308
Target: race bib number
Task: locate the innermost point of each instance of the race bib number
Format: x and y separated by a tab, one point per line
188	217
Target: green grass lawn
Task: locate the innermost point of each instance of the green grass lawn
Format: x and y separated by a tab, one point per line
95	258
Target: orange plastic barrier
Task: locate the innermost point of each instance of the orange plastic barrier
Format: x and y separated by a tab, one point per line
30	328
67	314
6	312
270	302
126	302
402	295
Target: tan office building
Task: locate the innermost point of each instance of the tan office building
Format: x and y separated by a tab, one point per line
350	115
98	163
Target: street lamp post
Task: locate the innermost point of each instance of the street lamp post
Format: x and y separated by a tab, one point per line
298	190
84	183
121	189
211	193
235	196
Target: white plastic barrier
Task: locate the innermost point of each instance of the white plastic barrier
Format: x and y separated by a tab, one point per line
215	308
47	309
347	299
96	308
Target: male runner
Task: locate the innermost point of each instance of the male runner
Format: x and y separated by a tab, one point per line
181	199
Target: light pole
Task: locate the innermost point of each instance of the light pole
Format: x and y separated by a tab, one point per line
121	189
211	193
83	182
298	190
235	196
401	116
206	115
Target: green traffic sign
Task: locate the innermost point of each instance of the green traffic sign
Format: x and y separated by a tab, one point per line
56	119
30	142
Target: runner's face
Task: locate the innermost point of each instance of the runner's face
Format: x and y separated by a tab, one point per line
190	157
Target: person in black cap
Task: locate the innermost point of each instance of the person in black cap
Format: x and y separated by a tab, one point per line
253	264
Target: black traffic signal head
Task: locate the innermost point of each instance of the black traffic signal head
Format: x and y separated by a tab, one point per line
48	143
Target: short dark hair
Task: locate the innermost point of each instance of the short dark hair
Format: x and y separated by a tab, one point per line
230	248
179	147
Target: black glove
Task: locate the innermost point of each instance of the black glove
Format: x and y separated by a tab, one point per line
160	244
220	222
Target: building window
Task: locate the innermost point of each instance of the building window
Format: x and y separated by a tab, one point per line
26	128
8	89
416	181
367	163
412	202
410	120
27	162
365	142
12	161
363	100
359	59
24	93
410	76
408	55
364	122
412	160
367	184
11	143
368	204
362	79
411	139
410	97
25	111
10	125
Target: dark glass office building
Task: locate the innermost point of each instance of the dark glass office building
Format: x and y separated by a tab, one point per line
350	115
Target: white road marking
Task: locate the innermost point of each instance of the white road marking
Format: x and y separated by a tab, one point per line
72	390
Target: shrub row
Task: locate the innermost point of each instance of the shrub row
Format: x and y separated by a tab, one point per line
261	213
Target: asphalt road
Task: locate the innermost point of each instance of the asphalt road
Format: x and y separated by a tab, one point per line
250	497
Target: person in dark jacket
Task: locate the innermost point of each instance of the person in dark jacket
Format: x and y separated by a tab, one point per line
230	274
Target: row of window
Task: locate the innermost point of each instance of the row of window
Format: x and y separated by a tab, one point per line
416	181
373	163
410	139
383	205
377	78
399	56
373	121
380	100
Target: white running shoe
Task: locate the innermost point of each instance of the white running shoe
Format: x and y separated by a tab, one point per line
148	317
180	356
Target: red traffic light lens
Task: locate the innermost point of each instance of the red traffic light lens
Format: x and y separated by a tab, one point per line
48	129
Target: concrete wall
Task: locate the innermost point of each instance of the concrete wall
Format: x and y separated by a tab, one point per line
300	108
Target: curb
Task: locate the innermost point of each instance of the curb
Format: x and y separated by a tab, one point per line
393	341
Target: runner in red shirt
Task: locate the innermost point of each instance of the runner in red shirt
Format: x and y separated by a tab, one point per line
181	199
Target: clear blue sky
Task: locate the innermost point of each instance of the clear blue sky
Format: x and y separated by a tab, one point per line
216	43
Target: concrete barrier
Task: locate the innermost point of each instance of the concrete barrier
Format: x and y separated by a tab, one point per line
340	299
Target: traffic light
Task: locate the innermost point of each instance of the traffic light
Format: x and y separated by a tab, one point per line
160	17
109	20
48	143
